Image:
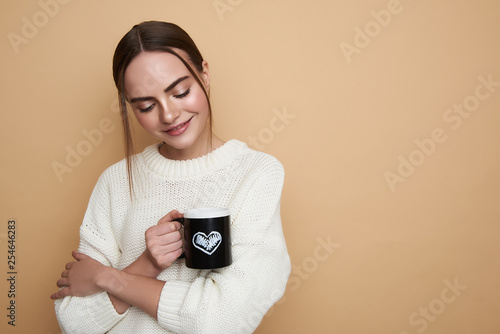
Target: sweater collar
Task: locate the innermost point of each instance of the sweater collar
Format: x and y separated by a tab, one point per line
178	169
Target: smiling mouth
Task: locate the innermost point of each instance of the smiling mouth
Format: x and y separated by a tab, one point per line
178	127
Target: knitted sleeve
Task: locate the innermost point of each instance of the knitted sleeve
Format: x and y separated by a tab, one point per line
236	298
95	313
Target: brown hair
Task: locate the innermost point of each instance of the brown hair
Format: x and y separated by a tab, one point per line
152	36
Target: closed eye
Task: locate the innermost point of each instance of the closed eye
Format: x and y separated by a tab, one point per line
180	96
147	109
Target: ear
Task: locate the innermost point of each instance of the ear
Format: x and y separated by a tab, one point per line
205	75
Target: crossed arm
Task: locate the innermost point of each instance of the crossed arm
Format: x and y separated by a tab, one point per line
136	284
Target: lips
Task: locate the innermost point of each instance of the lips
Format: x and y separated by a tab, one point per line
179	129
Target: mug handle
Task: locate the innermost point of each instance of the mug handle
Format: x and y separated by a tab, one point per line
180	220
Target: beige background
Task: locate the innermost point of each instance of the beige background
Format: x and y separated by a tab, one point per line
398	235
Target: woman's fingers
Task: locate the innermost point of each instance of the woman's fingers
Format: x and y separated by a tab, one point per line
174	214
164	241
171	247
162	250
166	227
57	295
62	282
79	278
65	291
165	260
163	234
80	256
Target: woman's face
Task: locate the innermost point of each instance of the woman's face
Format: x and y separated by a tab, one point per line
169	103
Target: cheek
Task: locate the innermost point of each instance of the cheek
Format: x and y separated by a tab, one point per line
197	102
144	120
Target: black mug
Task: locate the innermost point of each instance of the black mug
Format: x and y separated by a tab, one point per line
207	238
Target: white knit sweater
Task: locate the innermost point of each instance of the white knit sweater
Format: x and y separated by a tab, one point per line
229	300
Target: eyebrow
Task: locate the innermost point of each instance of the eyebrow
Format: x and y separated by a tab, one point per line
169	88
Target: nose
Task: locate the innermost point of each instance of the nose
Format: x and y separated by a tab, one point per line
168	113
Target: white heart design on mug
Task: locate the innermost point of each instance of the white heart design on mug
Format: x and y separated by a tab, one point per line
207	244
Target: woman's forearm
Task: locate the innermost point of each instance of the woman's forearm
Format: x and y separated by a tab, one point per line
127	289
142	266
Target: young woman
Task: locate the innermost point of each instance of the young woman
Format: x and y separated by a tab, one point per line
128	276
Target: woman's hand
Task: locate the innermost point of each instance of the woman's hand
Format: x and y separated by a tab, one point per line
87	276
80	277
164	241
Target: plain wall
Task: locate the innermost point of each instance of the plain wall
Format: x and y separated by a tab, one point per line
385	115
